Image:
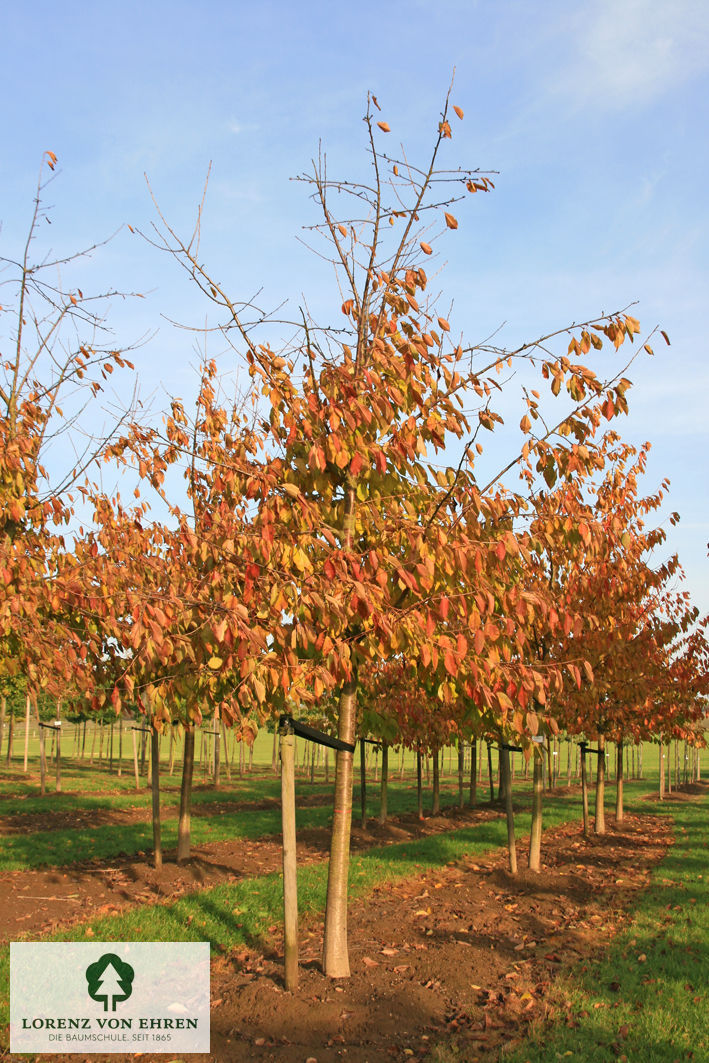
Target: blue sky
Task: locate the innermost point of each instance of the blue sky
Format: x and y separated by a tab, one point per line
594	114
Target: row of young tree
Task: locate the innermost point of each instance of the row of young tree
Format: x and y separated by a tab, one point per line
327	553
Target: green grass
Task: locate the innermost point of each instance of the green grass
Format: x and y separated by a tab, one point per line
648	1000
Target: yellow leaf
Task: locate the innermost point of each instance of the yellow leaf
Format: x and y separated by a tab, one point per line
458	111
342	229
259	689
214	662
444	324
292	489
426	248
384	126
451	222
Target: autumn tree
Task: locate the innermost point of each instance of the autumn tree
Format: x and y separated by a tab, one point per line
56	357
376	551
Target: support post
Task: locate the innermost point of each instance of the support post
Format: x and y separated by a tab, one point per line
363	783
155	783
506	778
290	883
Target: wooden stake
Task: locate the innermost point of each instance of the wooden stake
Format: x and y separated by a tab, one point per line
535	837
290	882
135	759
619	784
155	764
363	784
506	776
27	731
58	734
584	792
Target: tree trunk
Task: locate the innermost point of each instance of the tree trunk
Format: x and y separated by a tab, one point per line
584	792
27	732
419	783
42	752
183	830
58	782
384	783
619	783
10	738
225	744
290	880
135	758
502	780
143	747
661	756
363	782
436	808
215	736
3	710
274	751
155	764
489	771
120	746
94	732
336	962
535	837
461	773
171	752
473	796
507	785
600	823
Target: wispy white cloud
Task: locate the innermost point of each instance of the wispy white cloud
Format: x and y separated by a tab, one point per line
629	52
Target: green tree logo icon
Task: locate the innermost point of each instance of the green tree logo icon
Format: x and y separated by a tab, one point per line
110	980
